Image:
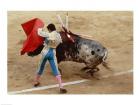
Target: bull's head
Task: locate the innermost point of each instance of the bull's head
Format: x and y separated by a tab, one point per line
67	36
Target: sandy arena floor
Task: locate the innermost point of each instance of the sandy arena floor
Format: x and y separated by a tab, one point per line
113	29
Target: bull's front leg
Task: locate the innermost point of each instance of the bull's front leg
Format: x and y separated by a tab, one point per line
60	70
58	62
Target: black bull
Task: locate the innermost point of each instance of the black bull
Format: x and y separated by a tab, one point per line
87	51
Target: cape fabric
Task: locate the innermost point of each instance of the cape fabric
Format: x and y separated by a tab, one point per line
33	40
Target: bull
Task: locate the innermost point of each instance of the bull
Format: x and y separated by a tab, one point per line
82	50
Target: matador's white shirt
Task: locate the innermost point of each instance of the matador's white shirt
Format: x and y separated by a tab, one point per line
54	38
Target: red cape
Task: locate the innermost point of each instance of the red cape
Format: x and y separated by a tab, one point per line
33	40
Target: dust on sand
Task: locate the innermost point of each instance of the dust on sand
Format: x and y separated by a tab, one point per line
113	29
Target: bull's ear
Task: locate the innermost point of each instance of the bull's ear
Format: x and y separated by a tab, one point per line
70	32
36	51
64	29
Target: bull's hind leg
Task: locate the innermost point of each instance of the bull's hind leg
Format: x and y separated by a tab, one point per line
92	72
85	68
89	72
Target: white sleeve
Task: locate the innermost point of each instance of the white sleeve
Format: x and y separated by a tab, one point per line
59	38
42	33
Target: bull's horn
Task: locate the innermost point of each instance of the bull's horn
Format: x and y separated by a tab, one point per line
48	21
67	21
60	20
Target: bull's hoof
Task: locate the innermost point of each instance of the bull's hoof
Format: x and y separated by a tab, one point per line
97	77
84	69
92	71
85	76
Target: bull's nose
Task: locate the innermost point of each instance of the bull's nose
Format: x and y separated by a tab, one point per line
92	52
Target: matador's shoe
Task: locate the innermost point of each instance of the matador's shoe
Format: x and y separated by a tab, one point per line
62	91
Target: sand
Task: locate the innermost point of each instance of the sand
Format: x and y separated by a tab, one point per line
113	29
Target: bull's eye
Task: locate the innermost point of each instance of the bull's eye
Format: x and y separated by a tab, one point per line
92	52
82	56
87	55
98	50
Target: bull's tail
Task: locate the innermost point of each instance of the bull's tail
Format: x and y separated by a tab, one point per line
105	56
104	63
